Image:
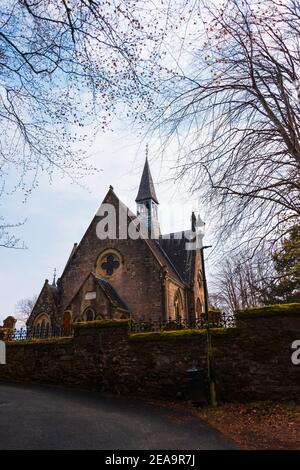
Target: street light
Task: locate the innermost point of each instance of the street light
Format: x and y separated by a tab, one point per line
200	225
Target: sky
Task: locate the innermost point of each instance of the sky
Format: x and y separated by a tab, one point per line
58	213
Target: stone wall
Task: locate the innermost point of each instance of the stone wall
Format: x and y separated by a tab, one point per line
252	361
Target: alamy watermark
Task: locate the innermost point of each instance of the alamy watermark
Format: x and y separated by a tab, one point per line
295	357
120	223
2	353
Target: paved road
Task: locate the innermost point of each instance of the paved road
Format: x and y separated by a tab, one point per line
37	417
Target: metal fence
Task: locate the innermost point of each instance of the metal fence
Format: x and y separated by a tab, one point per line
23	334
216	320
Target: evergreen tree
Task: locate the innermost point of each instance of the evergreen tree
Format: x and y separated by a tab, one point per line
286	260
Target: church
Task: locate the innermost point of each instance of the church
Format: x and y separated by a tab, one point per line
148	276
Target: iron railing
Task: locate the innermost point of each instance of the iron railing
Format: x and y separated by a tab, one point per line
216	320
23	334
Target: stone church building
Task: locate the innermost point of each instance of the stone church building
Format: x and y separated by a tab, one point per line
115	277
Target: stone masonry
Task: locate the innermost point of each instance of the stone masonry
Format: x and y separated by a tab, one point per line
252	361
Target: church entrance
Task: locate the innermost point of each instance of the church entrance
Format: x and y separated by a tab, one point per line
67	321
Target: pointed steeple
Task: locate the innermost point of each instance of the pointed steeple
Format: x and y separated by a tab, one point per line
146	190
147	202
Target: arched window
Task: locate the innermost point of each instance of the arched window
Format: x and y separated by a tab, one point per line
178	306
41	325
99	317
198	309
89	315
37	330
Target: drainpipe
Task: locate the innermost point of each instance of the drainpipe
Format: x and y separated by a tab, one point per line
164	293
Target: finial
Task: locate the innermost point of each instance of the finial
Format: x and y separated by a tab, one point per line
111	188
147	151
54	278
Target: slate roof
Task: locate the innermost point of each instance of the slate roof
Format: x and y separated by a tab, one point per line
159	253
146	189
182	259
172	253
111	293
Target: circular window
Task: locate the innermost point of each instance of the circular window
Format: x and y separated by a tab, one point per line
108	263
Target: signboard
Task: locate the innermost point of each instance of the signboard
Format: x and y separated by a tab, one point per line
90	296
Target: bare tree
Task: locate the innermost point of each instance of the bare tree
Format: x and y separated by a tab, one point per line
235	111
65	66
7	239
24	308
217	299
241	280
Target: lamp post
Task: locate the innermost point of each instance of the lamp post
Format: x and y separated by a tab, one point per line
210	361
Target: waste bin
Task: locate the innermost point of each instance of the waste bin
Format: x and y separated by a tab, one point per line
197	386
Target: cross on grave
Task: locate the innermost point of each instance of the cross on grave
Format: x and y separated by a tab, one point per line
110	264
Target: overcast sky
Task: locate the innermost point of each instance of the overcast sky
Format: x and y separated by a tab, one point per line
58	213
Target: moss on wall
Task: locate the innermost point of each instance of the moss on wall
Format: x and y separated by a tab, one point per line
178	334
250	363
101	324
270	310
40	341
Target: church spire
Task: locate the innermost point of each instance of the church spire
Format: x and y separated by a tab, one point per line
147	201
146	189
